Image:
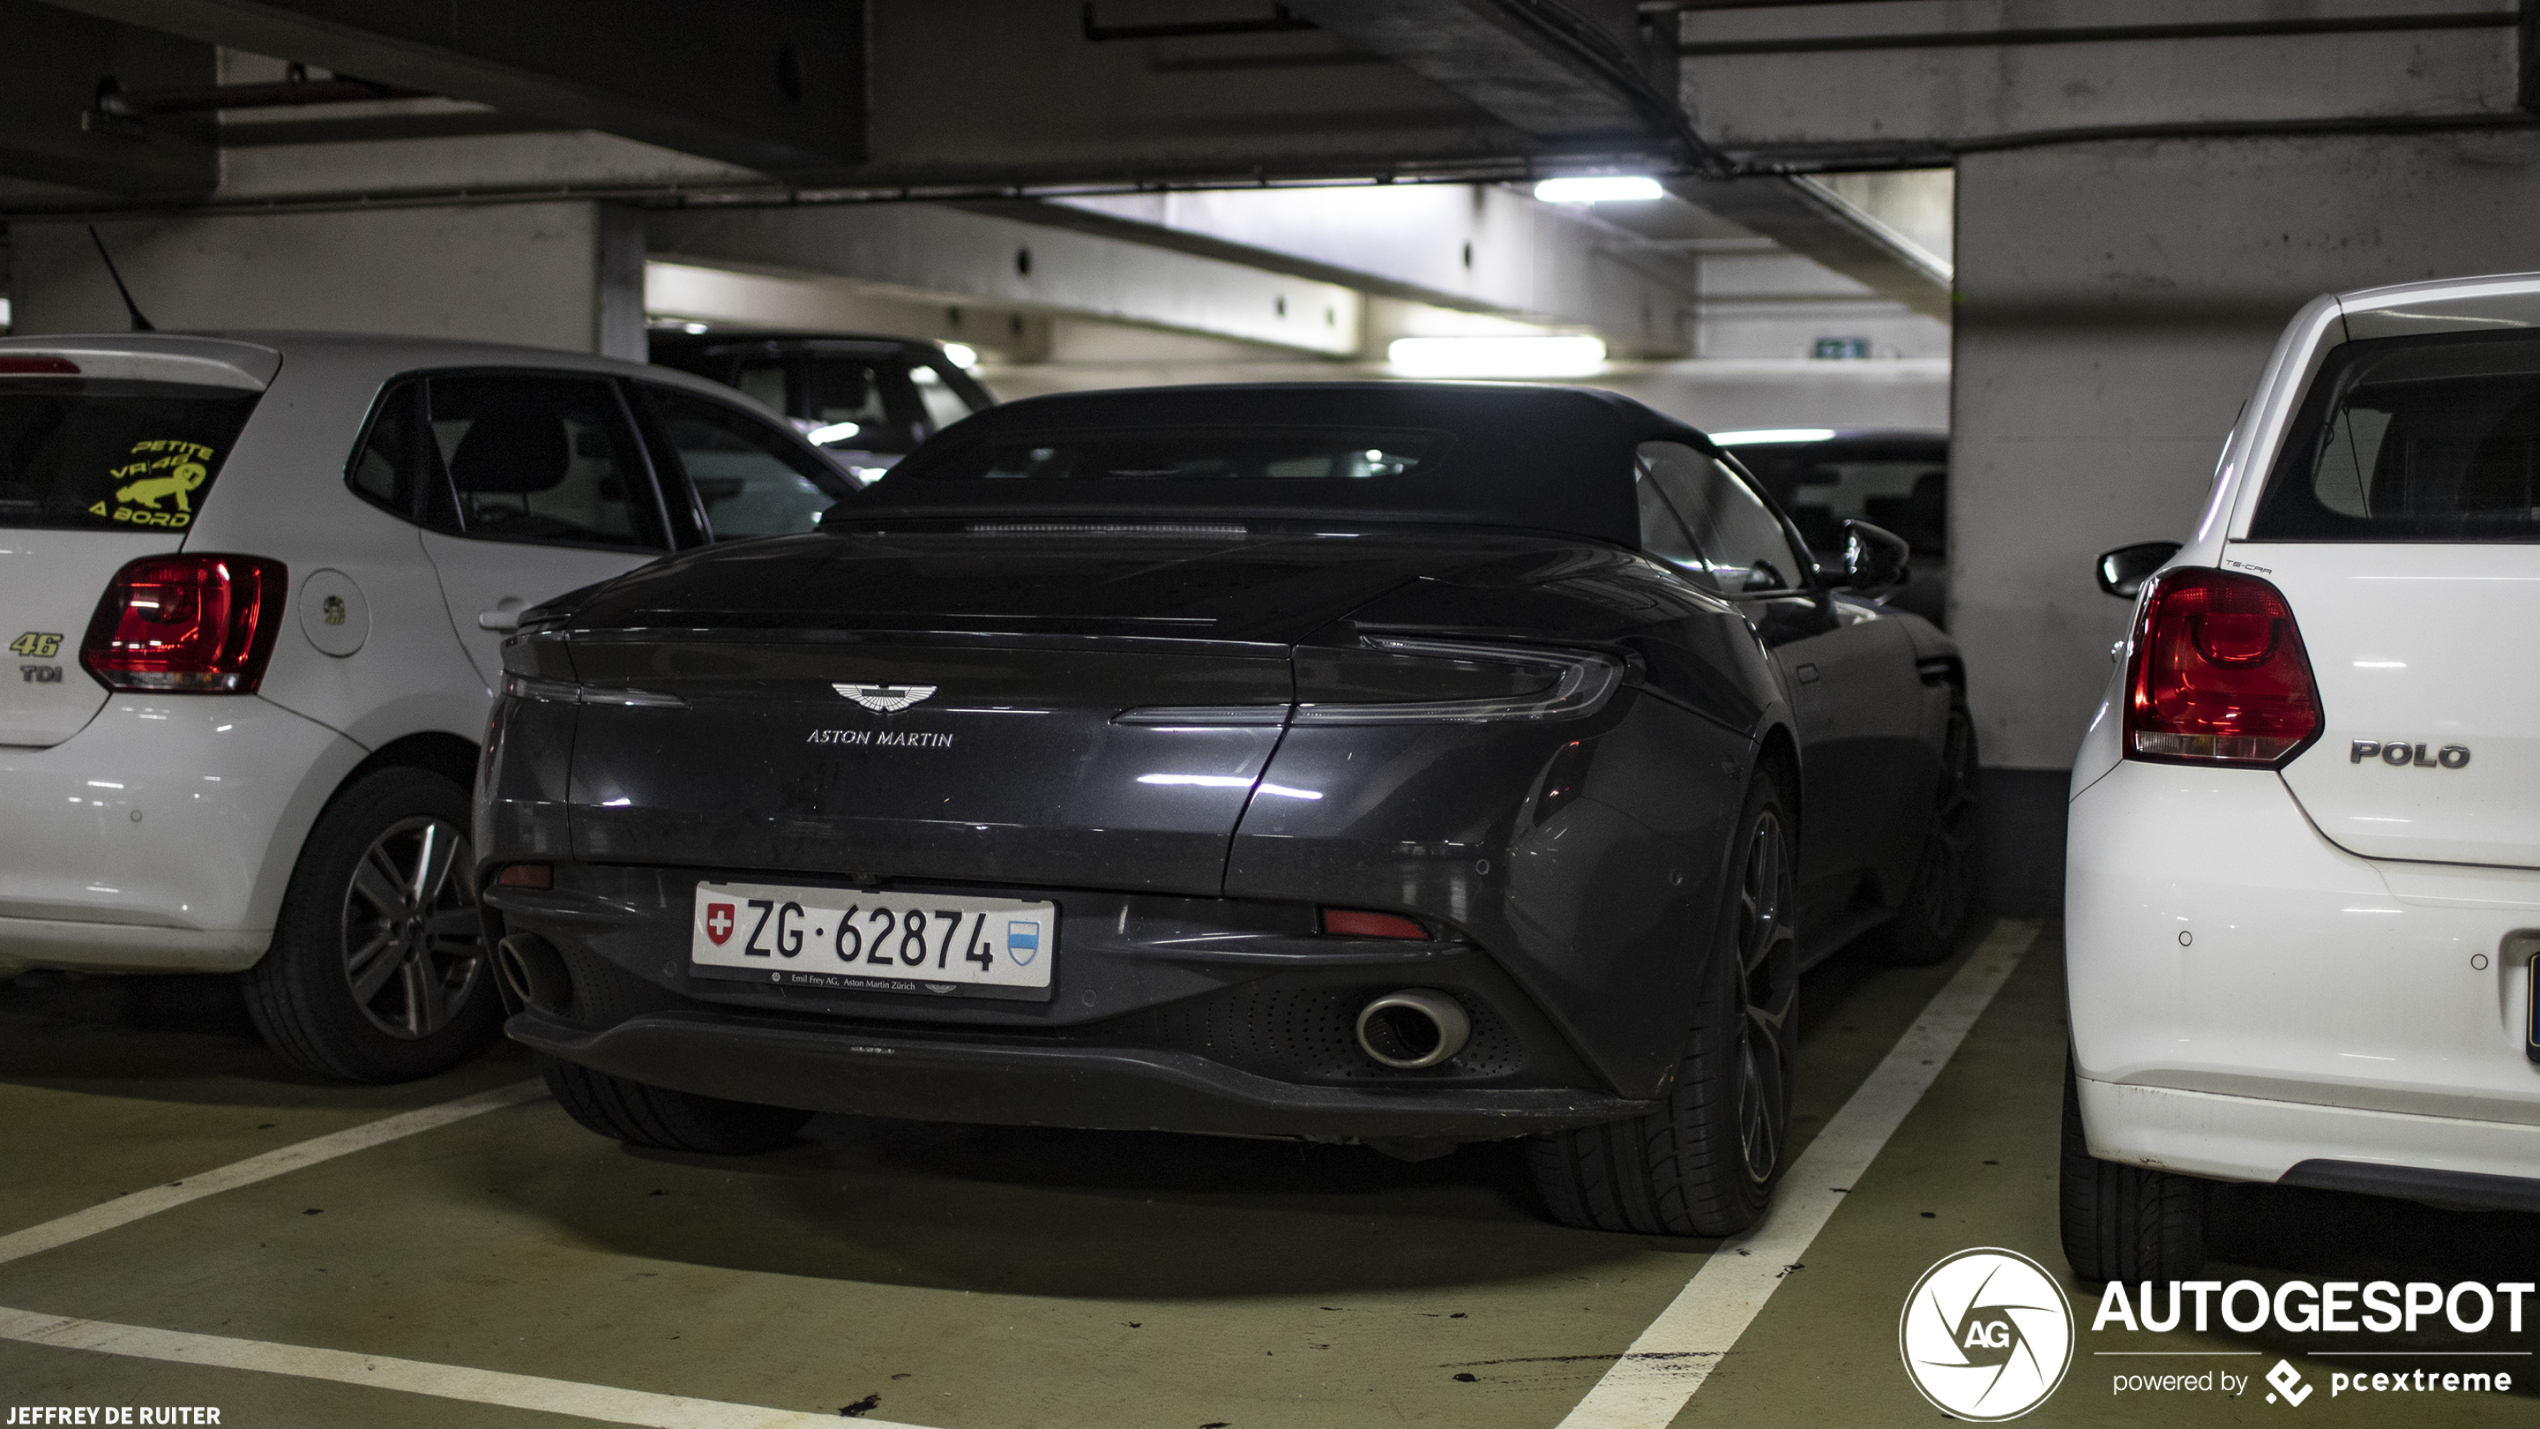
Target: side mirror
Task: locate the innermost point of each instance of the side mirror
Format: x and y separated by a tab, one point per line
1875	561
2123	571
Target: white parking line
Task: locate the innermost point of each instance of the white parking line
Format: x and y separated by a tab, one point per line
124	1210
1651	1383
518	1391
476	1386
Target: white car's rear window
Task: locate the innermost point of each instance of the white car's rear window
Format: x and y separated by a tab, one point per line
107	454
2431	439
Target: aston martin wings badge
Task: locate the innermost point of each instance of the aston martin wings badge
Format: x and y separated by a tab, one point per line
885	699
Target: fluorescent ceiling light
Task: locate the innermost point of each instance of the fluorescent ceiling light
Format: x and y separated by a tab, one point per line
963	355
1773	434
1546	356
1599	188
834	432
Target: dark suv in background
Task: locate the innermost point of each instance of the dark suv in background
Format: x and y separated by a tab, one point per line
1894	479
865	400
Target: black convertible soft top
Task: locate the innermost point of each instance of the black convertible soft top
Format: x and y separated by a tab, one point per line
1535	458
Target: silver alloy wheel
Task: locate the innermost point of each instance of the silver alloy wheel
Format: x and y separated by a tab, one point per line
1767	989
413	949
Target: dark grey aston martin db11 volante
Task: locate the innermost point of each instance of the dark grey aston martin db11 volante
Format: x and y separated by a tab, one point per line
1385	763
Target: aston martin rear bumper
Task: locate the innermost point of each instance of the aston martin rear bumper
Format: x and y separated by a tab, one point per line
938	1075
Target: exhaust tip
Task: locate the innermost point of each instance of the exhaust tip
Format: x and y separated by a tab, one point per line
532	971
1413	1028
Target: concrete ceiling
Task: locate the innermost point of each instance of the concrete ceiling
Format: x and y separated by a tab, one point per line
1021	111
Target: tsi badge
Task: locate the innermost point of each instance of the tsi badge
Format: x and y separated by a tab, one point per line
1986	1335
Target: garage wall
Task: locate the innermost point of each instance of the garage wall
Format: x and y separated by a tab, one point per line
559	275
2116	303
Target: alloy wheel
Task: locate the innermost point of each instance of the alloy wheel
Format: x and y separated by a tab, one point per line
1767	990
1946	880
413	949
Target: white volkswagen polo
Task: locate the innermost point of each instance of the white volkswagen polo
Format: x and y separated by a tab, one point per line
2303	888
253	589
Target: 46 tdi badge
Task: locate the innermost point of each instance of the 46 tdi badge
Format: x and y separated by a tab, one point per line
43	644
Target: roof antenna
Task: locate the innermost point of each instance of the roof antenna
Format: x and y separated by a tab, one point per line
139	323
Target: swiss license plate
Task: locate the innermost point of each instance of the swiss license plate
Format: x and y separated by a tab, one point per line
922	943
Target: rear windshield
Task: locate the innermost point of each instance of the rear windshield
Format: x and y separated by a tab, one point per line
1207	455
2432	439
103	454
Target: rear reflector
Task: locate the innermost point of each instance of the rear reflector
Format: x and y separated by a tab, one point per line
190	624
2219	674
38	367
527	875
1357	923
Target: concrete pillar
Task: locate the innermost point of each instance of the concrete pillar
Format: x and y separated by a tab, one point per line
562	275
2116	300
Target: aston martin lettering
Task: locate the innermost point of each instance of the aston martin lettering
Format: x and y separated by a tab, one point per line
886	699
881	738
2398	753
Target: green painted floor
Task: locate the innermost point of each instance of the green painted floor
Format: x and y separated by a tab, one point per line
988	1278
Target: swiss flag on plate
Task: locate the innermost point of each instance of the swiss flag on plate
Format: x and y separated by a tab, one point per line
718	922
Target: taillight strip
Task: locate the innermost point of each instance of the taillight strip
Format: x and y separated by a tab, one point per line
1583	680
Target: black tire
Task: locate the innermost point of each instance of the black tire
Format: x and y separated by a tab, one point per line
666	1120
1926	928
2126	1222
367	979
1707	1162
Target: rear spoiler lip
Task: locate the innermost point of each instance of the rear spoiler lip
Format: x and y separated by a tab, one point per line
201	362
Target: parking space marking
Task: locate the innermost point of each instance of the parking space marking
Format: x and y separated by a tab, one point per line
516	1391
124	1210
476	1386
1654	1379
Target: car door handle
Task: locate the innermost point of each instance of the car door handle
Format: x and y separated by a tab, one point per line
502	617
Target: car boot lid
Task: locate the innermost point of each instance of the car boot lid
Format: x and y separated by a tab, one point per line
51	578
2428	742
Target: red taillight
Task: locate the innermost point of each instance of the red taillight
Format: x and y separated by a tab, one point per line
2219	673
38	367
527	875
197	624
1358	923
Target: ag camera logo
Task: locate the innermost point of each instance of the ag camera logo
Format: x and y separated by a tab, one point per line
1986	1335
